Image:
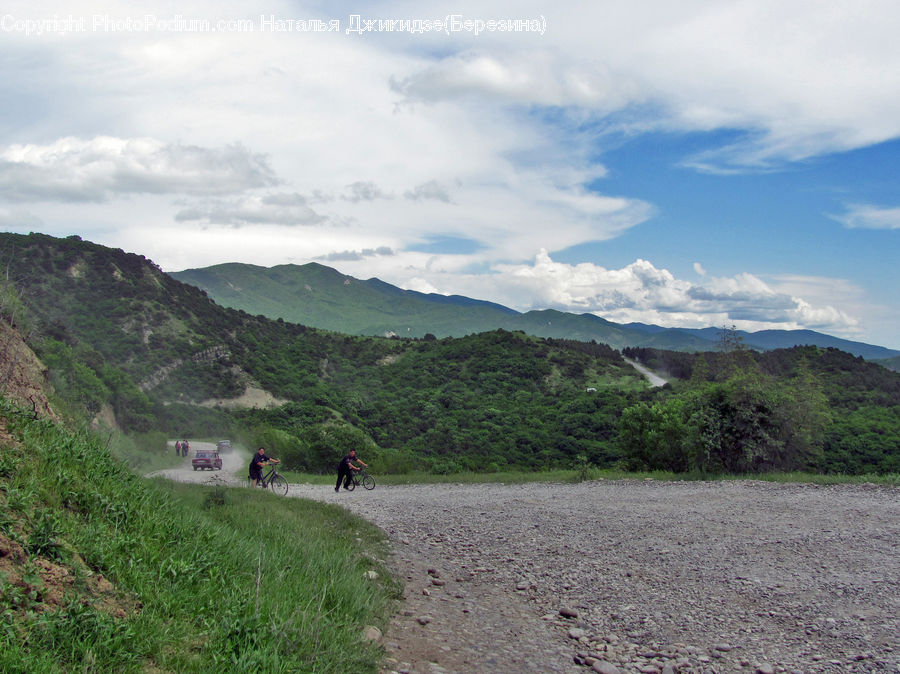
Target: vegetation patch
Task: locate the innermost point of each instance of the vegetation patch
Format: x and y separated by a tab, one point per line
102	570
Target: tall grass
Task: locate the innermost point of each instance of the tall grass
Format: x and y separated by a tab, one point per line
203	579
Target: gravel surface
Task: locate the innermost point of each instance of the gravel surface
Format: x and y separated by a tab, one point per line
638	576
641	576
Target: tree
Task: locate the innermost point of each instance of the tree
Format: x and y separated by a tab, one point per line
653	436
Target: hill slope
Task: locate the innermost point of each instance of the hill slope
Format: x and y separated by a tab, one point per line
322	297
114	330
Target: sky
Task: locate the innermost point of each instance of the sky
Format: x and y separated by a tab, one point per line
689	164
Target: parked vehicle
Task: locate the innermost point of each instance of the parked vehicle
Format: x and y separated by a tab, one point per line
205	460
224	445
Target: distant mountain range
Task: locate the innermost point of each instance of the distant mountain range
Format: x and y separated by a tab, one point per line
322	297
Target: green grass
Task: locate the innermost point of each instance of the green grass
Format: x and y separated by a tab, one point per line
204	579
889	479
139	457
593	473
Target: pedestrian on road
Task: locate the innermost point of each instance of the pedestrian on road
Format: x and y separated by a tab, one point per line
346	469
257	462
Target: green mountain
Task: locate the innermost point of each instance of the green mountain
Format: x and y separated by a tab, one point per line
322	297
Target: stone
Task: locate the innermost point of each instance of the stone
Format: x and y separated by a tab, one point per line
567	612
576	633
604	667
372	633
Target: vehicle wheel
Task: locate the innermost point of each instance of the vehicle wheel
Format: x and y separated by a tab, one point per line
279	485
352	485
369	482
195	468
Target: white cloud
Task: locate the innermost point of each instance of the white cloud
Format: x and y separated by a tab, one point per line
363	190
699	269
429	190
275	209
791	80
860	216
642	292
356	255
74	169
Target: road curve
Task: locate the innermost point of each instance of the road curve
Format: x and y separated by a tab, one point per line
654	379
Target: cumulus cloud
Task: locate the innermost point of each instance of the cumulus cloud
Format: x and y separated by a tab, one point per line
642	292
79	170
860	216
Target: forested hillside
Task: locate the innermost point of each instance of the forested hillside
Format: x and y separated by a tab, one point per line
808	408
124	341
117	333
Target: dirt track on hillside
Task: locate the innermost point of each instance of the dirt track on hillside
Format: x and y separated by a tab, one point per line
662	577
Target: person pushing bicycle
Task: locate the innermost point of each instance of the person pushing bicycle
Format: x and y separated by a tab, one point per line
257	462
346	469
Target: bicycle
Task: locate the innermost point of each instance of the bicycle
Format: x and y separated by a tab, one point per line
361	478
274	481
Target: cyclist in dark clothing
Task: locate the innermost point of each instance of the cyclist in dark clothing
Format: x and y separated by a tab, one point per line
257	462
346	469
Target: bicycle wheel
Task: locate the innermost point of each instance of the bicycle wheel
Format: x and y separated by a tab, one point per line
352	485
368	482
279	485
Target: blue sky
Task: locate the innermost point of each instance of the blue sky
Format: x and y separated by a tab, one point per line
686	164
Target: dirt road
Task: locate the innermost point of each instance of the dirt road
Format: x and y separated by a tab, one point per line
658	577
234	467
654	379
636	576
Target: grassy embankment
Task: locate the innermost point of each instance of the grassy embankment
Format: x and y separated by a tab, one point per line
105	571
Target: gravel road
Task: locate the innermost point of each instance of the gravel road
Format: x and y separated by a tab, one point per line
656	577
638	576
